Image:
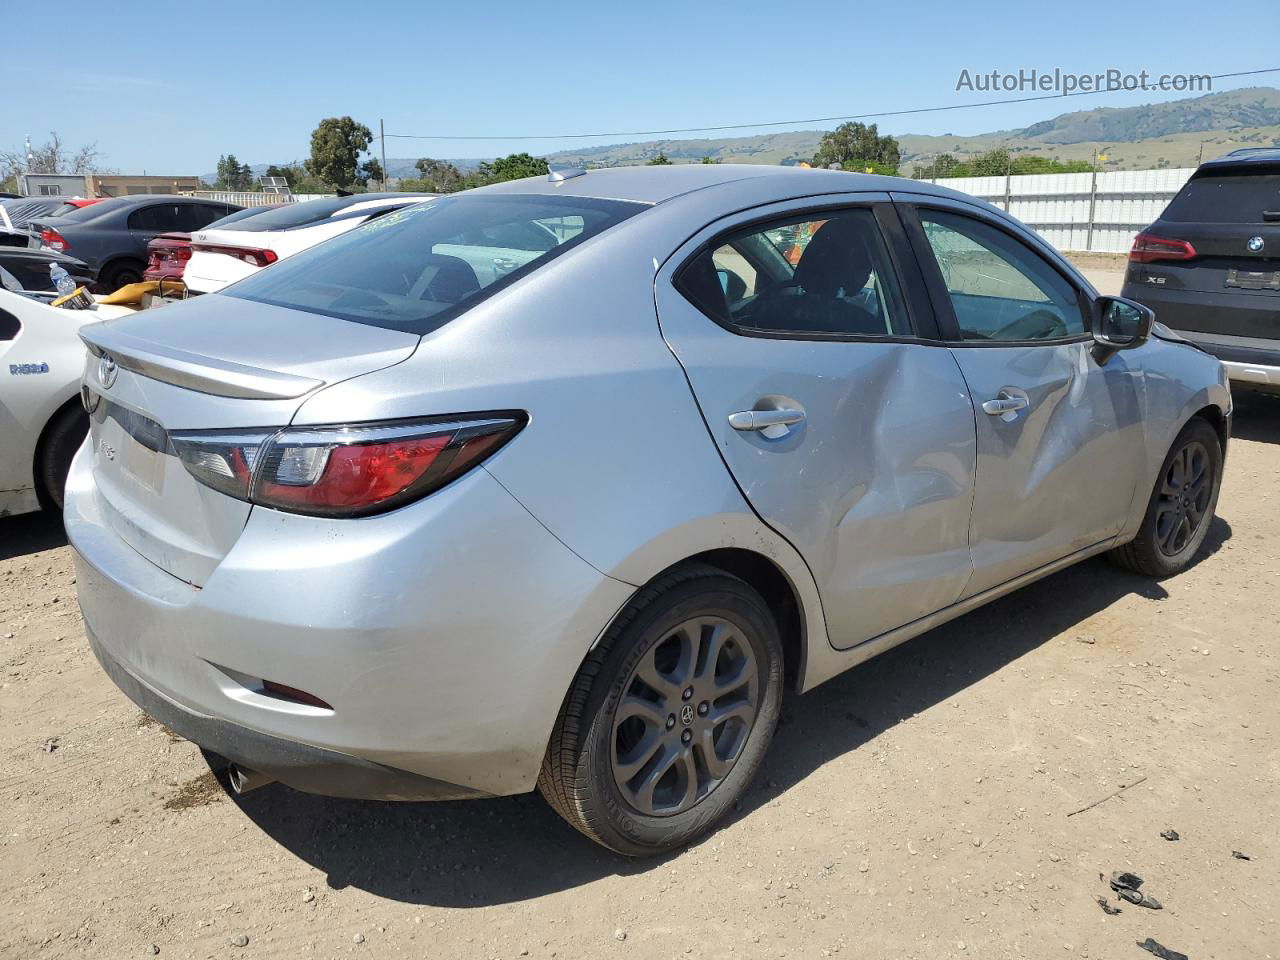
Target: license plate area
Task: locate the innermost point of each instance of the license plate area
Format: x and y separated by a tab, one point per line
1253	279
128	445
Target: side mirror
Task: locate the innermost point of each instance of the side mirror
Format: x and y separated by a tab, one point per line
1119	324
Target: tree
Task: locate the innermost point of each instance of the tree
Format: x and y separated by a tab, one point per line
438	176
371	169
336	145
707	159
858	148
232	174
515	166
661	160
50	157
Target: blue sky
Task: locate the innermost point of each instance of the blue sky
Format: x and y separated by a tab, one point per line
166	88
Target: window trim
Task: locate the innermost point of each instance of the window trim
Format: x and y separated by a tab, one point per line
944	308
882	208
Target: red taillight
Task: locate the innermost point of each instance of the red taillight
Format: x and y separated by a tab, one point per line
52	239
1147	248
345	470
357	476
259	257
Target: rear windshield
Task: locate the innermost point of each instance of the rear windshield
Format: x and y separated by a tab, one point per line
1227	198
303	213
418	267
239	215
98	209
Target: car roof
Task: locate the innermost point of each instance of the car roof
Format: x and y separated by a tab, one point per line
658	184
1246	158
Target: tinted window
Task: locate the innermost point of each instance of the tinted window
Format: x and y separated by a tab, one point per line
812	275
9	326
158	217
239	215
302	213
197	216
999	287
418	267
1225	198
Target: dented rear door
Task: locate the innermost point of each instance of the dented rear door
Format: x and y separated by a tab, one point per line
874	486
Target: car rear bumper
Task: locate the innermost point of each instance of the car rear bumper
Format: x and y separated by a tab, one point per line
298	765
444	637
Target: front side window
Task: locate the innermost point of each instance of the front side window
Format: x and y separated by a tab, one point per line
999	287
418	267
810	275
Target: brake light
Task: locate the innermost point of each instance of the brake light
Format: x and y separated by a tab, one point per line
1148	248
257	256
52	239
344	470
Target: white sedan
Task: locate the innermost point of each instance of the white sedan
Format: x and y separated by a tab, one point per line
230	253
41	420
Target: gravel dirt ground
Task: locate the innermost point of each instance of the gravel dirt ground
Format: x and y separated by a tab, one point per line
922	806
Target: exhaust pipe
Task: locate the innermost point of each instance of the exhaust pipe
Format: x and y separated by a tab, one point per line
243	779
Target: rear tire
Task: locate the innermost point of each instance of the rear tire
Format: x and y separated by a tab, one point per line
1181	507
62	438
659	737
118	275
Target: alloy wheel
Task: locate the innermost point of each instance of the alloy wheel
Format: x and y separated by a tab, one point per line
1185	493
685	714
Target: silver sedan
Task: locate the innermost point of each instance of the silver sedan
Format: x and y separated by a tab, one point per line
559	483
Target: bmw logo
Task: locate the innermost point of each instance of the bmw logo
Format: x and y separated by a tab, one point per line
107	371
1256	244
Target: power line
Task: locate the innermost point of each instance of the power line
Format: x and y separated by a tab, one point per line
788	123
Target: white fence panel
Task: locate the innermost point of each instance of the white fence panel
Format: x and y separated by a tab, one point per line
1080	211
251	198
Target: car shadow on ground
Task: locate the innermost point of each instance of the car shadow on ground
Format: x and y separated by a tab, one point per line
486	852
31	533
1256	417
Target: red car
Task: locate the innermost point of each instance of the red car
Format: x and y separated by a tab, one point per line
168	253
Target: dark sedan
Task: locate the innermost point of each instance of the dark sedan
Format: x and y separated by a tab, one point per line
112	236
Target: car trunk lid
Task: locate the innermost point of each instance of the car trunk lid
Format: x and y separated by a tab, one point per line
212	363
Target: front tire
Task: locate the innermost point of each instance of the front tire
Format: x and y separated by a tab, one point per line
1181	507
670	716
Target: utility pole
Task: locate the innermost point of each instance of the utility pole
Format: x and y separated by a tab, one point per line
382	137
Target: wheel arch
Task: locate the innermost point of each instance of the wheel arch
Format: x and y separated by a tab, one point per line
1218	419
785	598
72	402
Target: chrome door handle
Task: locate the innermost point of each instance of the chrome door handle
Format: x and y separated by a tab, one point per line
1005	403
771	423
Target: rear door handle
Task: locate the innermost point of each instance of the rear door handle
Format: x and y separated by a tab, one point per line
1005	405
770	423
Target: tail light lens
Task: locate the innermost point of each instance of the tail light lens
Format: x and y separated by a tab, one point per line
53	240
258	257
1148	248
344	470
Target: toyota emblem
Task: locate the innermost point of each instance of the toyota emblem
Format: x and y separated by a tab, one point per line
107	371
686	714
1256	244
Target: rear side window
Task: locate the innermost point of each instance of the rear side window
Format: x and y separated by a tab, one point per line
157	218
812	275
1226	198
420	266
